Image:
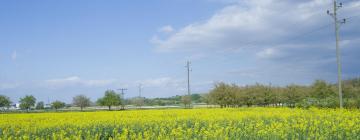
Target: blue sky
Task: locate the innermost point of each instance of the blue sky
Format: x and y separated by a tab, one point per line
59	49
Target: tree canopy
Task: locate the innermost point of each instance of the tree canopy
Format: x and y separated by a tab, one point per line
27	102
57	105
4	101
110	99
81	101
319	94
40	105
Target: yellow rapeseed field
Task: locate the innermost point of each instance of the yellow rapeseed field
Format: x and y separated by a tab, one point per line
240	123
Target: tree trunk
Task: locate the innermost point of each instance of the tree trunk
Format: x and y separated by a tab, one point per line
81	108
109	108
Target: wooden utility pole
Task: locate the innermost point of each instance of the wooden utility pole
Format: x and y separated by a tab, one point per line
337	24
188	82
123	100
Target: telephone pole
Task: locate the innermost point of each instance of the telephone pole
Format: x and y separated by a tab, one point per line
122	90
188	81
139	100
122	94
338	60
140	86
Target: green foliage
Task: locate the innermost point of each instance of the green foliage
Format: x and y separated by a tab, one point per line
138	101
81	101
57	105
186	100
322	89
294	94
174	100
4	101
27	102
40	105
110	99
319	94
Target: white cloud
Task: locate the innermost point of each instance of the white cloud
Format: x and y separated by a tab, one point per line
250	21
301	31
268	53
166	29
162	82
4	86
14	55
77	81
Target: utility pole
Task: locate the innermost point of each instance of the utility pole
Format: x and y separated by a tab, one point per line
140	100
140	86
188	81
338	60
122	90
122	94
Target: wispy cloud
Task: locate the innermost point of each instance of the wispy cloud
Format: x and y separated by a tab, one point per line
77	81
236	25
166	29
271	34
5	86
14	55
161	82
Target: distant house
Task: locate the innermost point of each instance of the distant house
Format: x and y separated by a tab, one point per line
47	106
15	106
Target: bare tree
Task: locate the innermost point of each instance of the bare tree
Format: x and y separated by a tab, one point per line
81	101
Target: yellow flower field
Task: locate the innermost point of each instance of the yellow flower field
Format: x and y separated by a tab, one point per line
241	123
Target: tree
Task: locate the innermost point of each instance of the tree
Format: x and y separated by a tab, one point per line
186	100
27	102
110	99
4	101
321	89
218	94
139	101
40	105
57	105
206	98
81	101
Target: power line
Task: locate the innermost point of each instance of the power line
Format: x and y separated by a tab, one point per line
351	17
122	91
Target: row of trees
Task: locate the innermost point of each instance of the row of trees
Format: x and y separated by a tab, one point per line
319	94
29	102
110	99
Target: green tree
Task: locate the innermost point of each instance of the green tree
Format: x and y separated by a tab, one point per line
293	95
139	101
206	98
81	101
40	105
196	98
186	100
57	105
320	89
27	102
110	99
4	101
324	94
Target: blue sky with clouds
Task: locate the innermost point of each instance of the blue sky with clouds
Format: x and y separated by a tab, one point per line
58	49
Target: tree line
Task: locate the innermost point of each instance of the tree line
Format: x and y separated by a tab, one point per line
319	94
109	100
28	102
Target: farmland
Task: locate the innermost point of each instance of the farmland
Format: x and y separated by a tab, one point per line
234	123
